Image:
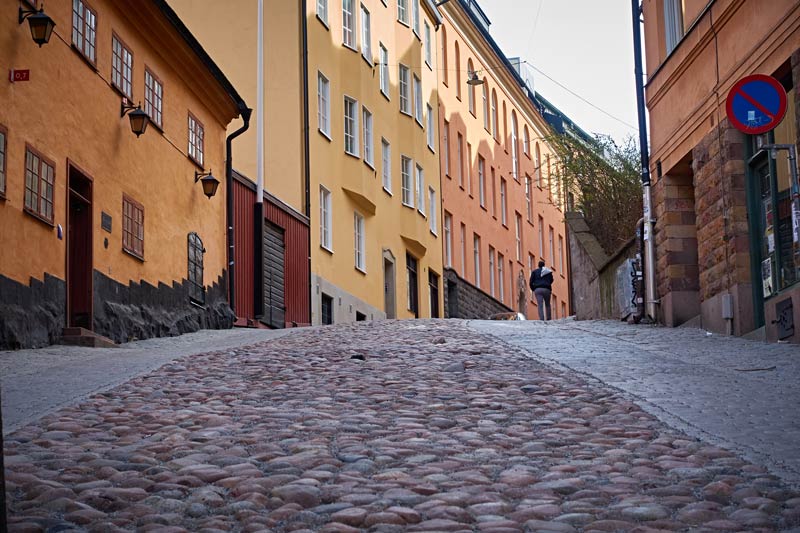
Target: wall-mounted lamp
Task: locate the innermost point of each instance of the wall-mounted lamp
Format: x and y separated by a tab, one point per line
139	118
474	79
41	25
209	182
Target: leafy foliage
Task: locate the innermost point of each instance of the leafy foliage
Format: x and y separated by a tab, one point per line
604	178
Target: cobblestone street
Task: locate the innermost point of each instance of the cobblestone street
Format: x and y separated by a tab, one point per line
404	426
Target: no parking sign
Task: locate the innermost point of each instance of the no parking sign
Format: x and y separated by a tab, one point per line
756	104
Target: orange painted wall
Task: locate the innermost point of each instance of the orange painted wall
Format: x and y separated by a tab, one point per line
463	203
69	111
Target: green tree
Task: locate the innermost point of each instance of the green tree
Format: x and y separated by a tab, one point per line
603	180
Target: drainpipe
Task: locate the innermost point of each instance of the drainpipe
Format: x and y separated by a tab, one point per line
258	210
245	114
647	233
306	170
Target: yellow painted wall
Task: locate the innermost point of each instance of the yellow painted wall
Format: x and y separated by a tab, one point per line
350	74
68	111
228	31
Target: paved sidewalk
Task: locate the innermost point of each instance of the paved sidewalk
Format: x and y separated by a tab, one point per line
36	382
740	394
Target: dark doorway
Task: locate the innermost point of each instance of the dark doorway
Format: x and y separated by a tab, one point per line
452	299
79	250
327	309
274	276
389	286
413	284
433	284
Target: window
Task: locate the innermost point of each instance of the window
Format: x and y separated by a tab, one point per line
471	88
197	290
323	105
405	90
444	55
39	183
358	238
537	168
494	194
460	154
491	270
368	140
552	246
528	205
386	161
196	135
350	126
495	130
428	47
366	37
505	126
412	284
561	254
431	128
526	141
153	96
121	67
482	181
518	228
500	280
514	146
84	29
420	190
433	286
322	10
541	238
448	240
384	70
327	309
673	23
432	222
348	36
458	70
405	186
446	155
549	178
402	11
325	219
2	162
476	251
415	9
418	100
469	168
503	212
132	227
463	250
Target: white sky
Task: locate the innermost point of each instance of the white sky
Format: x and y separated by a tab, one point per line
585	45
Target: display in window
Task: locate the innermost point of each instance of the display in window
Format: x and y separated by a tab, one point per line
766	276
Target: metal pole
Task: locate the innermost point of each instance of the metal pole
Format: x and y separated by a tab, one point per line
3	522
650	250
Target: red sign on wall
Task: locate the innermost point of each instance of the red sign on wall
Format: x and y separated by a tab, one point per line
19	75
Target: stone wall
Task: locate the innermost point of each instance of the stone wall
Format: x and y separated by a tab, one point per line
31	316
464	300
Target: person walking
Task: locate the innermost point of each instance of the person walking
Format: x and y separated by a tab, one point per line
541	284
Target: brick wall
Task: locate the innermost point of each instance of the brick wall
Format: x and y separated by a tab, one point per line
464	300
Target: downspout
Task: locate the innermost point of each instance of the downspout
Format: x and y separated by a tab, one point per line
245	114
258	208
306	170
649	242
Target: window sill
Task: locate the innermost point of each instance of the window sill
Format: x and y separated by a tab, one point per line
196	163
370	165
353	155
196	303
386	95
133	255
434	234
121	93
350	47
428	65
406	113
419	122
408	205
367	60
404	23
387	191
323	22
325	135
92	65
360	270
433	151
326	249
484	208
37	216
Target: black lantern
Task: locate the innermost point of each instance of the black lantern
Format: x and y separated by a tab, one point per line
41	25
208	181
473	79
139	118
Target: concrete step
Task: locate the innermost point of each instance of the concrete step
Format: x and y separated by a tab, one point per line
85	337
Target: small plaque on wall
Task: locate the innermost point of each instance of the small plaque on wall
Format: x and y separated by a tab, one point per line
105	221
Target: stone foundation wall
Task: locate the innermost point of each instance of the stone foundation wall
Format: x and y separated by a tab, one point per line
31	316
464	300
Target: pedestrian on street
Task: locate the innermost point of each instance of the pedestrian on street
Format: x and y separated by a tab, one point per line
541	284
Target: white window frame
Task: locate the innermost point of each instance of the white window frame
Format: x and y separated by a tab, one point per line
500	273
460	150
417	99
402	11
463	251
561	254
428	45
448	240
196	147
432	222
359	239
446	148
526	141
518	234
325	219
476	258
491	270
528	203
541	238
405	89
431	128
485	94
420	191
366	34
348	24
415	14
673	23
369	141
386	160
323	105
351	137
384	70
503	202
482	181
514	146
322	11
153	98
406	182
552	245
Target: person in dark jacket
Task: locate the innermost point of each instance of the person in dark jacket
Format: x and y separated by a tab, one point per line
541	284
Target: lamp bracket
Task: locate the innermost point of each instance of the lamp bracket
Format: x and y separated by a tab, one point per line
126	107
25	13
198	175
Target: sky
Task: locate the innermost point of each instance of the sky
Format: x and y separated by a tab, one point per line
585	46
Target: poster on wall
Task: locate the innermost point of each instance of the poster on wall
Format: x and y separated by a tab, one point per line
766	276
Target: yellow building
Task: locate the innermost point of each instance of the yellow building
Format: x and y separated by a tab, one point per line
371	167
102	229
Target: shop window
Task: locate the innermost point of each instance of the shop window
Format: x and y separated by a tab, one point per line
327	309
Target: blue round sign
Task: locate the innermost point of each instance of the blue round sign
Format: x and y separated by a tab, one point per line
756	104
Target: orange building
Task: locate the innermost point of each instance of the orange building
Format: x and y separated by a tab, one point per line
727	258
102	229
503	207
